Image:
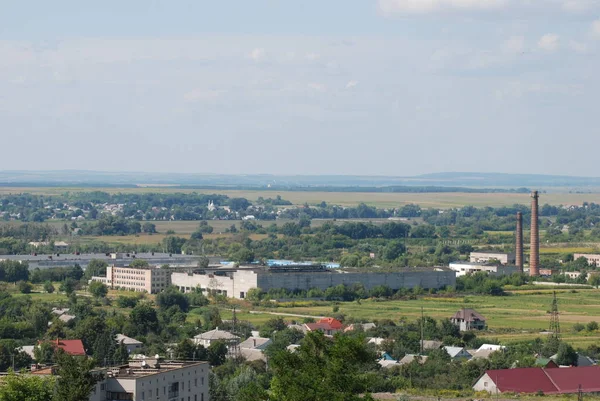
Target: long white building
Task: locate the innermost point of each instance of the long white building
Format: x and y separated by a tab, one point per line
485	257
236	282
463	268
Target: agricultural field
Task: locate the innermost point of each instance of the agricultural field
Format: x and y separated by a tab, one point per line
521	315
383	200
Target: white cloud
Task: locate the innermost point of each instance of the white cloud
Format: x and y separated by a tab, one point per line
257	54
388	7
312	56
514	44
548	42
596	28
351	84
532	7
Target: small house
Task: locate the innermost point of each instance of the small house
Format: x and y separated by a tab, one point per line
468	319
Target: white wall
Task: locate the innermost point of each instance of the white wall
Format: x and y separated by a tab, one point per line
485	383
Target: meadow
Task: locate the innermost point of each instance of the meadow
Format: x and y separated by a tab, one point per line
442	200
521	315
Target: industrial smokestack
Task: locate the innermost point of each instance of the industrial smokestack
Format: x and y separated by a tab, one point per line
534	252
519	244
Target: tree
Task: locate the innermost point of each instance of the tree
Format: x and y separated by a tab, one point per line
203	262
27	387
143	318
566	355
594	280
187	350
96	267
48	287
171	296
75	378
322	370
98	289
173	244
591	326
244	255
212	318
121	355
217	353
25	287
272	325
44	353
139	263
67	286
13	271
149	228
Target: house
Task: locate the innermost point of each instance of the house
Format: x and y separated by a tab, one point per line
61	245
468	319
363	326
387	361
209	337
259	343
71	347
253	354
428	345
409	358
327	325
581	360
464	268
131	343
545	363
491	347
376	340
485	257
540	380
458	353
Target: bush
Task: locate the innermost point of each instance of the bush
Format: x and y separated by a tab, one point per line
48	287
24	287
592	326
577	327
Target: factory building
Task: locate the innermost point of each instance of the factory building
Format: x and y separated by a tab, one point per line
236	282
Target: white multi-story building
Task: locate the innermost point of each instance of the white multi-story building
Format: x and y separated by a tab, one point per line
485	257
463	268
154	380
141	279
592	259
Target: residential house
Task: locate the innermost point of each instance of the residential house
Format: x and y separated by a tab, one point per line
408	358
255	343
71	347
209	337
327	325
429	345
131	343
458	353
468	319
582	360
362	326
540	380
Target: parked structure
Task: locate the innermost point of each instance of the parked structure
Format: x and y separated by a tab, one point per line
154	380
468	319
236	282
541	380
485	257
464	268
141	279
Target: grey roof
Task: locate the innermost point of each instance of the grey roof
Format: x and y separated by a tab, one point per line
468	315
253	354
431	344
255	343
216	335
66	318
483	353
454	351
408	358
127	340
385	363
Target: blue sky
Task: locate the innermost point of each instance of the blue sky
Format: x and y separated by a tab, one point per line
391	87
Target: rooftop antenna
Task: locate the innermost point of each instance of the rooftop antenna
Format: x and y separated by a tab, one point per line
554	322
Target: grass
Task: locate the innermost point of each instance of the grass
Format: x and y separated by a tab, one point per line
385	200
518	316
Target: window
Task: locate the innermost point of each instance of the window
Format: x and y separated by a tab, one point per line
485	384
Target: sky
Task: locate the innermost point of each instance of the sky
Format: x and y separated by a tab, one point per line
361	87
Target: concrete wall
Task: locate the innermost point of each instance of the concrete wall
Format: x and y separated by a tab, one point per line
240	282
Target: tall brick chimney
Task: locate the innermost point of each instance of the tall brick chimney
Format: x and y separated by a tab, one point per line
534	252
519	244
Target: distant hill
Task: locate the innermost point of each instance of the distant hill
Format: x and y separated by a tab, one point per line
438	182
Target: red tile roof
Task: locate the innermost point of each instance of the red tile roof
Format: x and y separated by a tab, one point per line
71	347
548	381
567	380
522	380
334	323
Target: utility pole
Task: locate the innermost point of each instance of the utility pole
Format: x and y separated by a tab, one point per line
422	323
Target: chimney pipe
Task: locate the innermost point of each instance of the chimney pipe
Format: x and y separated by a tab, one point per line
534	252
519	245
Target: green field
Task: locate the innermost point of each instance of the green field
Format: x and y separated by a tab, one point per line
518	316
379	199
